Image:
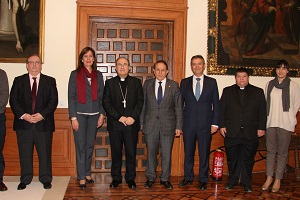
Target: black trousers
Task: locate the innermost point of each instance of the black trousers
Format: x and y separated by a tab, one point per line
240	154
42	141
2	140
127	136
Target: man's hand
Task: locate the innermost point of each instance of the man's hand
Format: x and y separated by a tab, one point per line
260	133
27	117
223	131
36	117
129	121
213	129
178	132
123	120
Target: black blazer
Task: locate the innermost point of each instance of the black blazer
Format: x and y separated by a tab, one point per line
204	112
46	102
252	116
112	101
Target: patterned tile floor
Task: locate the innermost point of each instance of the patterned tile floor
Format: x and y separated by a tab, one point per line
290	189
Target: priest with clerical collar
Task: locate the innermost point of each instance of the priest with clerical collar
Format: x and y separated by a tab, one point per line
123	102
242	122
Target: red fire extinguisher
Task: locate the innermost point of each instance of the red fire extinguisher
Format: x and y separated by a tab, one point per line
217	168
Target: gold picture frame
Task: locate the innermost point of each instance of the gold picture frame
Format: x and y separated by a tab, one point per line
30	28
226	47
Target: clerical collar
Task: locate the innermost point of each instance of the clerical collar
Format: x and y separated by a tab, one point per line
122	79
241	88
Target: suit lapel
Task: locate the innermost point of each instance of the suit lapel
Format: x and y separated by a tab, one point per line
167	90
205	83
190	88
40	87
152	90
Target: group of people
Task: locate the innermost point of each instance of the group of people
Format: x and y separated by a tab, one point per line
162	110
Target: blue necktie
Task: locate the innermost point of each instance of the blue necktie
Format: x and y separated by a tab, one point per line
197	92
159	93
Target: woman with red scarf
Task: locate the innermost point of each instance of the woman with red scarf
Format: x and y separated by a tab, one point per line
86	113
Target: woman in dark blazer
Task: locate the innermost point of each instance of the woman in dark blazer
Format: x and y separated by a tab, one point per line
85	94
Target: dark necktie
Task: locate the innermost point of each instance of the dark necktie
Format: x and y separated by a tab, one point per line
33	94
197	92
159	93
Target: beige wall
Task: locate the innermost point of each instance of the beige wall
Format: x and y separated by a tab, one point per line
60	37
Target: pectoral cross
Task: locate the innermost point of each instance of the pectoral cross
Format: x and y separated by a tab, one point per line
124	102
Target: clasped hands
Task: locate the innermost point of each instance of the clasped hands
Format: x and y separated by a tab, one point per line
127	121
34	118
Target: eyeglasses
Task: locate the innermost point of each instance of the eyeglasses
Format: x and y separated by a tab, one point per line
34	62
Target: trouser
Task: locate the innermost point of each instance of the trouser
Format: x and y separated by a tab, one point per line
2	140
154	141
127	136
278	142
240	158
43	144
84	143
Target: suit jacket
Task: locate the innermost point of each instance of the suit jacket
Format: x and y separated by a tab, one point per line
252	116
168	113
204	112
46	102
112	101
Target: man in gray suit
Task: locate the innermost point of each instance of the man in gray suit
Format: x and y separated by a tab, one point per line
161	121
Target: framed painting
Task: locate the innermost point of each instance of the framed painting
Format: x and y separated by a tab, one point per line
254	34
21	29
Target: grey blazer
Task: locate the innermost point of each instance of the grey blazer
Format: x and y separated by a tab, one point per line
168	113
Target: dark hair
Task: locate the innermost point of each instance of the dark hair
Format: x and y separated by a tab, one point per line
124	58
161	61
241	70
282	62
197	56
33	55
84	51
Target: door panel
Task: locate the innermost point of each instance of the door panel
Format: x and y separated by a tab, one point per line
143	42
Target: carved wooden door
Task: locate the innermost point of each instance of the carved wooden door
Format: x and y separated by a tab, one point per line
143	42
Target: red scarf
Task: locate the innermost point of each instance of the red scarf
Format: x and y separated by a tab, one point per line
81	84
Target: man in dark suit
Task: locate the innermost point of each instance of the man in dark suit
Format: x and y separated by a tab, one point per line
123	102
33	100
161	120
242	120
200	98
4	92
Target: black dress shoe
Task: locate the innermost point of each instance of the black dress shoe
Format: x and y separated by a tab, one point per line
148	184
203	185
47	185
131	184
2	187
21	186
114	184
247	188
89	181
82	186
184	183
229	186
167	184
